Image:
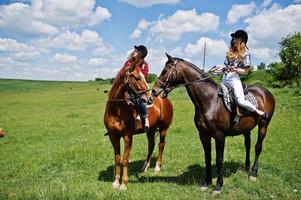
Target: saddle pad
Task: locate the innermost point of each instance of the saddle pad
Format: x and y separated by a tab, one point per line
228	100
251	98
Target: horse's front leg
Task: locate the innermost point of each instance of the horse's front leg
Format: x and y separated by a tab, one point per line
128	138
115	140
206	141
219	146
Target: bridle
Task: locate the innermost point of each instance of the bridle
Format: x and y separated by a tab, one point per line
165	84
131	89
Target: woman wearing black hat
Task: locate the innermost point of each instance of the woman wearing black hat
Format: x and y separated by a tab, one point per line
238	62
142	52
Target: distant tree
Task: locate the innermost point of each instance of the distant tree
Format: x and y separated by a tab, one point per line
98	79
279	75
290	54
151	78
261	66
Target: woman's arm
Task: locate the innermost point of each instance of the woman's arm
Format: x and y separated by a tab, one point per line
242	71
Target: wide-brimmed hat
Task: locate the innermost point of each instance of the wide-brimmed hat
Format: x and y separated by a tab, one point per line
240	34
142	49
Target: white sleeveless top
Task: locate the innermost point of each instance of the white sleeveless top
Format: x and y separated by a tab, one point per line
245	62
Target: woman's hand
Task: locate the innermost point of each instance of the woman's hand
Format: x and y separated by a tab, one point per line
238	70
231	69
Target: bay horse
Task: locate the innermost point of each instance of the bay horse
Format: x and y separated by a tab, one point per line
120	119
211	117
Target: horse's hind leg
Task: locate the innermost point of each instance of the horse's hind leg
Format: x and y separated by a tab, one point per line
262	129
219	146
247	146
163	132
115	140
151	145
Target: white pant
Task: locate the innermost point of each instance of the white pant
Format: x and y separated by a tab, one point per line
239	93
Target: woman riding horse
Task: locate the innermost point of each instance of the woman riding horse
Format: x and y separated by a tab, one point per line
140	52
238	62
119	118
211	118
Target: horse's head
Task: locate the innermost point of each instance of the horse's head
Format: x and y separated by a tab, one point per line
167	79
137	86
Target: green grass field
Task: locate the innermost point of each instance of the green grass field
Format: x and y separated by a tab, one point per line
54	148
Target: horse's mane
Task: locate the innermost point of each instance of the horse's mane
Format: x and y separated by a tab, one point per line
198	70
118	81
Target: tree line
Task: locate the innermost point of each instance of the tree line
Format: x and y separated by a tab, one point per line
287	72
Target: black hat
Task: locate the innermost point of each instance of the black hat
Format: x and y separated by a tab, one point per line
240	34
142	49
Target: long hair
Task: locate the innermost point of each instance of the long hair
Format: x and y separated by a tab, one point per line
236	53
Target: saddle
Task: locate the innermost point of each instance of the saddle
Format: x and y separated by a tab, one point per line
229	100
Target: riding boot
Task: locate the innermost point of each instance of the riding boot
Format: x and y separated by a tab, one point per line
145	127
137	122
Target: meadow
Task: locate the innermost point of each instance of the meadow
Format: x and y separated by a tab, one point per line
55	148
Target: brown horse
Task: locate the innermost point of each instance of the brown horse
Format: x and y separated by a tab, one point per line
211	117
119	119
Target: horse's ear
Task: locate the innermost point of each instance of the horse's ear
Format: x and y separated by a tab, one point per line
169	57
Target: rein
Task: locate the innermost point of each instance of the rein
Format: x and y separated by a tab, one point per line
189	83
165	85
183	84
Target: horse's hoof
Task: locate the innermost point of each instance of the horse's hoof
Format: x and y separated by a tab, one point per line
145	167
157	169
253	178
115	185
122	188
216	192
204	188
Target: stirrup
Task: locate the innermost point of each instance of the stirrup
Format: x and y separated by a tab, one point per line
265	115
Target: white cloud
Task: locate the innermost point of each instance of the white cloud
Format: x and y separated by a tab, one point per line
182	21
64	58
49	17
100	15
214	48
96	61
73	41
66	13
148	3
268	27
156	59
26	56
266	3
19	51
239	11
136	34
7	44
17	18
265	54
142	25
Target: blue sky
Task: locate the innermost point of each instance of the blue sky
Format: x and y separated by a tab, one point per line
84	39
